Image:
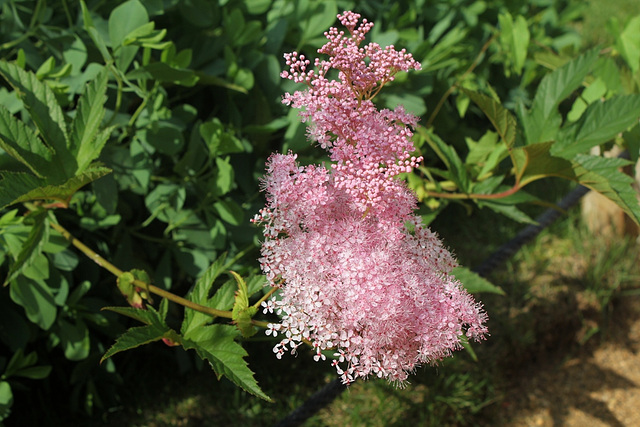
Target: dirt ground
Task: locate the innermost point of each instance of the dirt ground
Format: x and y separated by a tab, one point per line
596	385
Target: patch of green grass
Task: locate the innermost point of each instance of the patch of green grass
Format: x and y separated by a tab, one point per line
598	14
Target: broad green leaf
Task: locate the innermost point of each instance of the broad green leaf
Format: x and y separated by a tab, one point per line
533	162
503	121
22	143
23	187
601	122
6	400
74	338
200	295
125	19
84	143
229	211
36	299
216	344
32	247
44	110
242	313
542	122
602	175
447	153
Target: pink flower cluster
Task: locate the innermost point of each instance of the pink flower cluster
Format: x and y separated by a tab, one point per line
358	273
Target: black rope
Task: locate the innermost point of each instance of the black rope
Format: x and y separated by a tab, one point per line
315	403
504	252
329	392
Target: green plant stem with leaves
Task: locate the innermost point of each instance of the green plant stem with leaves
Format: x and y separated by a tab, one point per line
95	257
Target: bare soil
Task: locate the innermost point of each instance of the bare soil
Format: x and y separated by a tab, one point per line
597	384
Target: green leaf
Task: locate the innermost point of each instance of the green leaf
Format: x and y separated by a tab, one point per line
543	121
473	283
216	344
628	43
601	122
34	372
94	34
44	110
18	187
6	400
602	175
32	247
242	313
447	153
534	162
124	19
510	211
229	211
200	295
148	316
74	338
85	144
515	38
36	299
22	143
137	336
503	121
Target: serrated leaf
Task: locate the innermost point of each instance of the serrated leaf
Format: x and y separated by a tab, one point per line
84	143
16	187
200	295
503	121
473	283
601	122
135	337
44	110
602	175
543	121
216	344
149	316
22	143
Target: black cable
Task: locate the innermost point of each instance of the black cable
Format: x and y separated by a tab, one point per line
332	390
315	403
507	250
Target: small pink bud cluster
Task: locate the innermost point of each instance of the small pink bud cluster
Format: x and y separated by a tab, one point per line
358	274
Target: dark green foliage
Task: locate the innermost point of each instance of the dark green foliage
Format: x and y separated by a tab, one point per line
143	127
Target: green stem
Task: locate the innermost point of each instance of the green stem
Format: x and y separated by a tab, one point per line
153	289
265	297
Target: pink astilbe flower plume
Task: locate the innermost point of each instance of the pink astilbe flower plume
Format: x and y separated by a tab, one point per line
358	273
